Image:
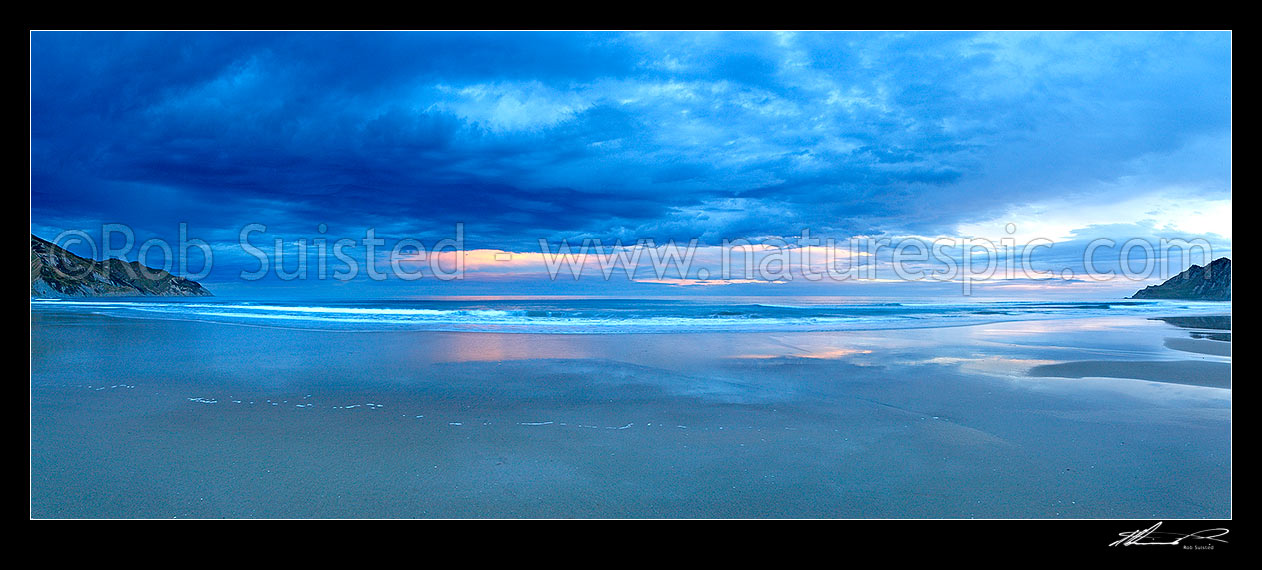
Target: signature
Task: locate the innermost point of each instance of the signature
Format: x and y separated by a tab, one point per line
1150	537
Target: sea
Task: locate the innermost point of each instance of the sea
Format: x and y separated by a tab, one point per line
586	315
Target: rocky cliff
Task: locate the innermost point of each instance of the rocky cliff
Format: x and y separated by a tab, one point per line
1209	283
56	272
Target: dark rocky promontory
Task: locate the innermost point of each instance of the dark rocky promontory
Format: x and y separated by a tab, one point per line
56	272
1196	283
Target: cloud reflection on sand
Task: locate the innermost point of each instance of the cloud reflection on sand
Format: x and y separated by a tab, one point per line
826	354
923	423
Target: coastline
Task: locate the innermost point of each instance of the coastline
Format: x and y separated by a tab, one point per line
155	418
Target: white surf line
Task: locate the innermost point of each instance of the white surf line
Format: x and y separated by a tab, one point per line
534	423
203	401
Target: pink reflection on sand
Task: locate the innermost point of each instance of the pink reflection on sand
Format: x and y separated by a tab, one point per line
831	353
463	347
1052	326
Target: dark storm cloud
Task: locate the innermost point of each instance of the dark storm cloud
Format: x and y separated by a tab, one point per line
619	136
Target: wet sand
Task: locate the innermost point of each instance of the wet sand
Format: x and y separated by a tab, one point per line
148	418
1200	346
1189	372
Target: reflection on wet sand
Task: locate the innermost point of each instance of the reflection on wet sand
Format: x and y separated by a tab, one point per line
1207	327
1216	322
215	420
1207	338
1200	346
826	354
1188	372
459	347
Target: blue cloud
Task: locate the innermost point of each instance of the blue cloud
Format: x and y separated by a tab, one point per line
615	135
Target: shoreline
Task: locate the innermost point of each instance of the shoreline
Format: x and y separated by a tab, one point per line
157	419
600	329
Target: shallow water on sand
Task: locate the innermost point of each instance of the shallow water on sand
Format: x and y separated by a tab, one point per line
171	418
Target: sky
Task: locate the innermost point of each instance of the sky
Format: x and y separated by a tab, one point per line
518	137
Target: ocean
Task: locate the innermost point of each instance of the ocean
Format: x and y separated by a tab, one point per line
552	315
